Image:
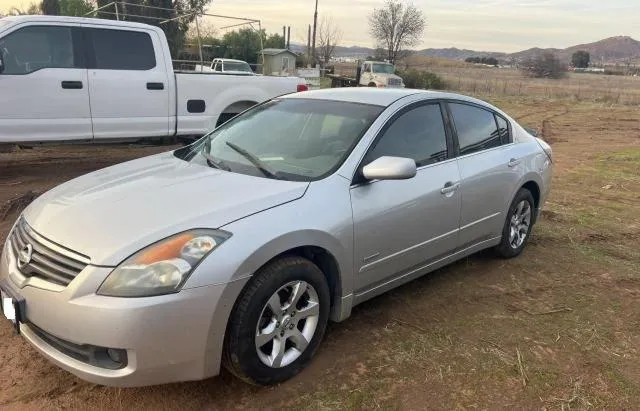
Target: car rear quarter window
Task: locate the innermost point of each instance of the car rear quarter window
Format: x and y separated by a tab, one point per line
418	134
503	129
122	50
476	128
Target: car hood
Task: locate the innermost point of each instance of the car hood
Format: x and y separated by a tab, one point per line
109	214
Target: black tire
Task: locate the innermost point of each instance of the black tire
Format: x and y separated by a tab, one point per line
505	249
240	355
224	117
372	84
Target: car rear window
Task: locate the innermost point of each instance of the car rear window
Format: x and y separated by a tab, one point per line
476	128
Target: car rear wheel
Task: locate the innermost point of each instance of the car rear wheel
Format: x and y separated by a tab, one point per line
518	225
278	322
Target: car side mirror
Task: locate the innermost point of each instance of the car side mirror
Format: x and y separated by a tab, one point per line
390	168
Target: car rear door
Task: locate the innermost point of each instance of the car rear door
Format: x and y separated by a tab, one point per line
128	83
43	88
490	170
400	226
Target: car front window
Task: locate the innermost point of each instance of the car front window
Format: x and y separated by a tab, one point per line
383	68
288	139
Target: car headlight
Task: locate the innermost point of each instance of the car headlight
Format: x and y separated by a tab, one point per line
163	267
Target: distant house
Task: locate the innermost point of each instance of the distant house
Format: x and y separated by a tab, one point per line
278	61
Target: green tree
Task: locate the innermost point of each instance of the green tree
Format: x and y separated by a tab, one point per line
75	7
50	7
580	59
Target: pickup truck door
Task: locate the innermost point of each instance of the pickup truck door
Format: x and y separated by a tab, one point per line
43	87
128	83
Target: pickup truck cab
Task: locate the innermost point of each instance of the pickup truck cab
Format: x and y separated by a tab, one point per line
87	79
226	66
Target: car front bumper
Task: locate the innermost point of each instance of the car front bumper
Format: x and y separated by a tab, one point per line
169	338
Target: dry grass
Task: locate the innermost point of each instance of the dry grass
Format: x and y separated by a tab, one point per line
487	81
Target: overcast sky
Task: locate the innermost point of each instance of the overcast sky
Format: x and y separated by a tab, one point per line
490	25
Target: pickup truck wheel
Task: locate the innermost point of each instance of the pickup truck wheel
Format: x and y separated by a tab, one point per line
224	117
278	322
372	84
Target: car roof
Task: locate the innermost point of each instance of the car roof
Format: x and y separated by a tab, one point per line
378	97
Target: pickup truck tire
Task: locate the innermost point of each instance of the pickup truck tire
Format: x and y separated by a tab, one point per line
372	84
297	289
224	117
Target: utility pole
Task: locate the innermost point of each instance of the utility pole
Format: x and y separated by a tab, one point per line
288	38
284	37
309	46
313	46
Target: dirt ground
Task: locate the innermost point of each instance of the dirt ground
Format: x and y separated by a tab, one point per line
557	328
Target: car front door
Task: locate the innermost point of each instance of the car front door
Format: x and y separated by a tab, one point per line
43	85
401	225
128	84
490	170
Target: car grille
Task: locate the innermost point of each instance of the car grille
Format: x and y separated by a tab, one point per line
394	82
48	261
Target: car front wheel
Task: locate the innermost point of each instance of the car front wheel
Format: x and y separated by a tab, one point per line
278	322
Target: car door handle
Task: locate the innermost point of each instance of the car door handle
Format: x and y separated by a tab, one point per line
73	85
450	187
514	162
155	86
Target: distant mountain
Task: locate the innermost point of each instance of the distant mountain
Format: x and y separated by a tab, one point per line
458	54
612	50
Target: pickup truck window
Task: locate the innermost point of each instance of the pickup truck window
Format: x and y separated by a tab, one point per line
237	66
122	50
37	47
291	139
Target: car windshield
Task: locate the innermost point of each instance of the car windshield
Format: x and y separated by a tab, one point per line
287	139
383	68
237	66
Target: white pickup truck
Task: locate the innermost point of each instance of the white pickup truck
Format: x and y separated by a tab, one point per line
227	66
85	79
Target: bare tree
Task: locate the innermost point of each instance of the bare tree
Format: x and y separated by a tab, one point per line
207	30
396	27
328	37
32	9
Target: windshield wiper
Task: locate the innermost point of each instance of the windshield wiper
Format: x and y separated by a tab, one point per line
212	162
260	165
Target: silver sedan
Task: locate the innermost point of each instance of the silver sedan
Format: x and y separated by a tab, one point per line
238	249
